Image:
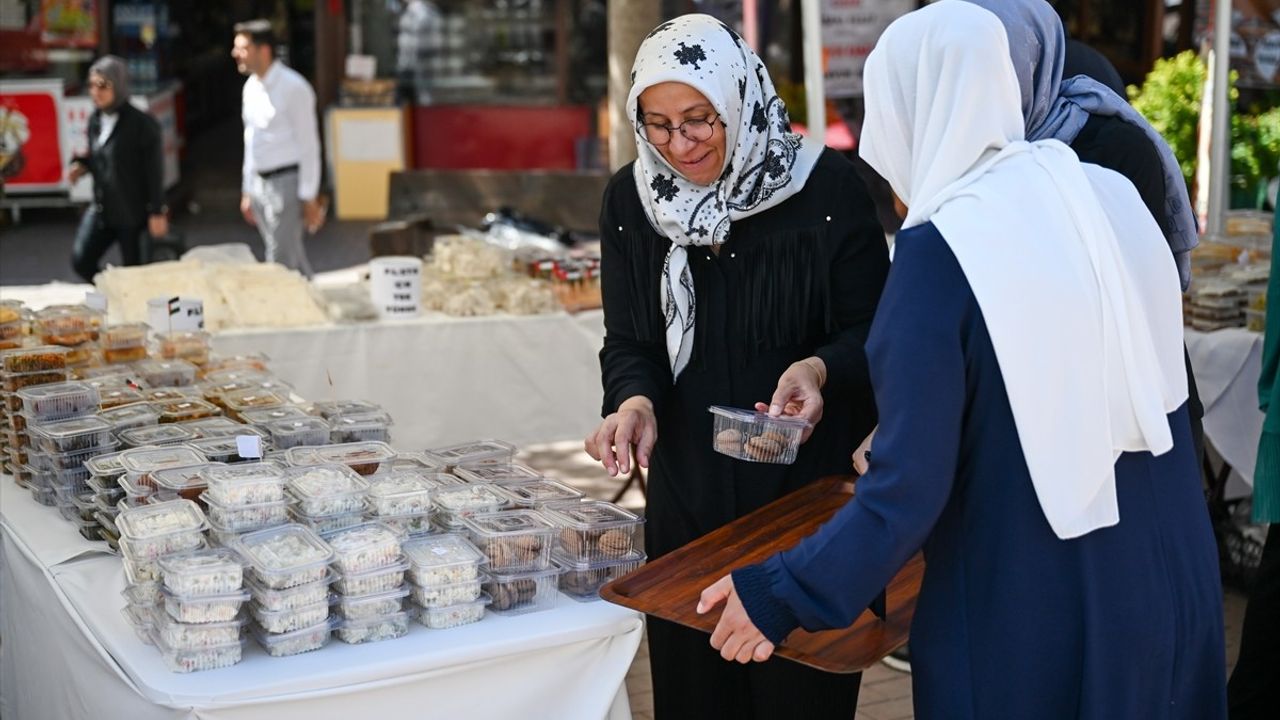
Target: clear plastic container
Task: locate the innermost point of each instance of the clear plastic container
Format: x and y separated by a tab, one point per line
125	335
583	580
594	530
122	355
415	461
59	401
455	503
127	417
409	524
519	593
163	394
145	460
498	473
192	346
186	482
253	399
215	571
293	598
538	493
216	427
365	547
176	411
329	409
150	531
442	560
444	595
477	451
285	556
67	461
287	433
400	493
44	496
285	412
227	448
364	458
449	616
65	436
149	435
141	572
145	596
324	490
196	636
363	427
68	325
140	620
328	524
108	523
14	382
114	397
756	437
203	608
246	483
371	606
513	540
167	373
286	621
136	488
250	361
246	518
375	629
208	658
371	582
296	642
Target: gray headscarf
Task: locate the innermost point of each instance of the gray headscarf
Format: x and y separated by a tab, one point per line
1058	109
113	70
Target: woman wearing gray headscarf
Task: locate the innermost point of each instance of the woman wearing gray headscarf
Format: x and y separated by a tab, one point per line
125	160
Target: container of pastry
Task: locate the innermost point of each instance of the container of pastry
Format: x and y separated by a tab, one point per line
166	373
296	642
141	462
755	436
37	359
192	346
252	399
164	394
537	493
267	415
371	582
298	596
371	606
216	427
14	382
64	436
470	453
59	401
196	636
364	547
513	540
525	592
400	493
124	343
176	411
292	432
442	560
214	571
286	621
329	409
324	490
128	417
285	556
113	397
249	361
152	435
442	595
207	658
498	473
455	503
583	580
448	616
360	428
68	325
365	458
374	629
186	482
228	519
150	531
594	530
227	447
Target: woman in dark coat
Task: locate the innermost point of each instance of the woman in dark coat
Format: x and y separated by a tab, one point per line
741	263
126	161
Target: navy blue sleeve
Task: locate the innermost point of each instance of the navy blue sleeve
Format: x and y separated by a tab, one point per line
918	370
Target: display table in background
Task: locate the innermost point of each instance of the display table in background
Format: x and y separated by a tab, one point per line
1227	364
68	652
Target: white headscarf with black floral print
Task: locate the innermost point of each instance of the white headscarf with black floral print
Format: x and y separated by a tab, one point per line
767	163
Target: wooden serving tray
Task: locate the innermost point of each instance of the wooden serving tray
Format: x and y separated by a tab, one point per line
669	587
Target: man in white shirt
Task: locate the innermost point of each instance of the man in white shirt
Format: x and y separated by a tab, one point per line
281	176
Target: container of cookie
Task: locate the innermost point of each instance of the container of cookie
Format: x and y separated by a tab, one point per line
267	415
192	346
525	592
324	490
374	629
365	458
153	435
583	580
755	436
64	436
124	343
166	373
296	642
594	530
236	519
196	636
474	452
293	598
371	606
14	382
249	361
456	503
371	582
216	427
330	409
252	399
444	595
513	540
150	531
360	428
213	657
176	411
285	556
58	401
68	325
505	473
37	359
292	432
538	493
449	616
113	397
400	493
442	560
128	417
163	394
365	547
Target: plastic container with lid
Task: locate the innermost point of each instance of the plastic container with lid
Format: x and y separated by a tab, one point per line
505	473
267	415
400	493
121	355
594	530
195	636
37	359
468	453
71	435
152	435
59	401
324	490
163	394
216	427
449	616
125	335
52	462
214	571
292	432
524	592
513	540
583	580
538	493
371	582
206	658
14	382
43	496
373	606
176	411
364	458
113	397
246	484
455	503
296	642
285	556
150	531
106	467
329	409
189	345
373	629
68	325
755	436
253	399
323	525
245	518
439	595
286	621
409	524
167	373
187	482
143	461
203	608
416	461
298	596
365	547
128	417
248	361
226	448
360	428
441	560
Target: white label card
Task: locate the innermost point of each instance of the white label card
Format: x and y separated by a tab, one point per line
249	446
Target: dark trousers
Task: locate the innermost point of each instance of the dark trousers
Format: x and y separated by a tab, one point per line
691	680
95	237
1254	690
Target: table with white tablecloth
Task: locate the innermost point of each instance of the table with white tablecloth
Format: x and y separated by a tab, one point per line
68	653
1227	364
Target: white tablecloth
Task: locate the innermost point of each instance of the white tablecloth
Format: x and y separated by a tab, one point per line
68	653
1227	364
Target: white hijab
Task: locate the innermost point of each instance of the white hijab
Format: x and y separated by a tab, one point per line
1087	330
767	163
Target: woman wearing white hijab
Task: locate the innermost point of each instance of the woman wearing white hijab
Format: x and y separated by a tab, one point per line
740	263
1033	438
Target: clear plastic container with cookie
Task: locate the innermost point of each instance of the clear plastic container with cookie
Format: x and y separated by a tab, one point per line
44	358
167	373
58	401
255	398
524	592
594	530
65	436
538	493
184	409
69	325
755	436
498	472
365	458
471	453
191	346
513	540
583	580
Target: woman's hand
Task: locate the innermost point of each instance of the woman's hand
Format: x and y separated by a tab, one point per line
246	209
862	456
799	393
77	171
736	637
633	424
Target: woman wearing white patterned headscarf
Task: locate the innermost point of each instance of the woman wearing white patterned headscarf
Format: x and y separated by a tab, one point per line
741	267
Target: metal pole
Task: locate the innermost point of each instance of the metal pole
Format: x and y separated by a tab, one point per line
814	92
1220	141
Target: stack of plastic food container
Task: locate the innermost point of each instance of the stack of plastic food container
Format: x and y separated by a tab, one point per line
476	452
326	498
142	464
167	373
289	582
125	343
365	458
402	500
153	435
244	498
21	369
148	533
60	449
596	545
198	624
518	545
104	474
191	346
359	427
454	503
292	432
370	584
446	580
75	327
499	472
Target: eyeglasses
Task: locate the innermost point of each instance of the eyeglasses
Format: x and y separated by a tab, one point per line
99	84
695	129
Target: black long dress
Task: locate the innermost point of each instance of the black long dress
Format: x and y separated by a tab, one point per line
797	280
